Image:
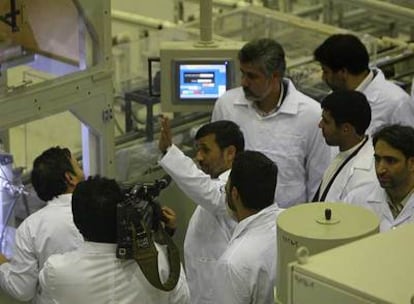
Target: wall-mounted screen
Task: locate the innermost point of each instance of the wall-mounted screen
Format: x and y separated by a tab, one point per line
201	80
194	77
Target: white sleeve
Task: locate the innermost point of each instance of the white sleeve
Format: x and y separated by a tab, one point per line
404	113
19	276
197	185
180	294
218	113
359	195
46	280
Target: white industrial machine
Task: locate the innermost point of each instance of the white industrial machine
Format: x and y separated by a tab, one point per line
7	200
378	269
55	57
308	229
67	45
10	191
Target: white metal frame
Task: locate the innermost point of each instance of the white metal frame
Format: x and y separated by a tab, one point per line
87	94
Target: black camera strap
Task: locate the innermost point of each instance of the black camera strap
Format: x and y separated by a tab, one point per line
146	255
316	197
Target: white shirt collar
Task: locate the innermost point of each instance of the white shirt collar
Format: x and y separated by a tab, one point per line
63	199
348	152
275	109
98	247
224	176
257	219
364	84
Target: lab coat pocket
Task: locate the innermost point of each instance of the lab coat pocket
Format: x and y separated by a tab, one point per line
288	154
286	151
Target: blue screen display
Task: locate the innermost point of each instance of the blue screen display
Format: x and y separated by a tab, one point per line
202	80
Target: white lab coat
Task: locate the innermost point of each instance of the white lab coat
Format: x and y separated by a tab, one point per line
48	231
357	175
389	103
290	137
376	199
210	226
246	272
92	274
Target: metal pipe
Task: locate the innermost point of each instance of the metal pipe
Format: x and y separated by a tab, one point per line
226	4
206	21
148	22
315	10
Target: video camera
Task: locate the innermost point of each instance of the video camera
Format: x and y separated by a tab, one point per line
138	215
139	229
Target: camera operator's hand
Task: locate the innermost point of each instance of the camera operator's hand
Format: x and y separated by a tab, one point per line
165	140
169	217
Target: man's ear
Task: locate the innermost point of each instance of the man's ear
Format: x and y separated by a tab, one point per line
410	163
347	128
230	153
343	71
234	194
70	180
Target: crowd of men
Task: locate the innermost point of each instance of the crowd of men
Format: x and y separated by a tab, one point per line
267	147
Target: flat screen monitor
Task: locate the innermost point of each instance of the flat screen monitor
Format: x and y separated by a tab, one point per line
201	81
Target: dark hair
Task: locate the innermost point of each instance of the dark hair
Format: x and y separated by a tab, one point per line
48	174
343	51
265	52
227	134
349	106
398	136
94	204
255	176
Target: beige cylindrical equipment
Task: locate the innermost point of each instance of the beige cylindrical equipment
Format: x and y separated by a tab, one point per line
318	227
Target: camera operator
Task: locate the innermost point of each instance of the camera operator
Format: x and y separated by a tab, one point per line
93	274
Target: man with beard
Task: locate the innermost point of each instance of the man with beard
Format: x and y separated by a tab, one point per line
346	116
246	272
393	199
210	227
345	66
277	120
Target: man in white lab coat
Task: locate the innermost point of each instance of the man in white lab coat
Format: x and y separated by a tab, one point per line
393	199
93	273
210	227
345	66
346	116
48	231
277	120
246	272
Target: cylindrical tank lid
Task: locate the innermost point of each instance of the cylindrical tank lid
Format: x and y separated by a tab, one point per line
327	220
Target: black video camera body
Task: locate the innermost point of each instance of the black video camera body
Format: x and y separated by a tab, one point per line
138	215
